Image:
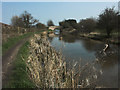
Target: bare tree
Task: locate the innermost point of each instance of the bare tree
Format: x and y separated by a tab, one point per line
16	21
28	19
25	20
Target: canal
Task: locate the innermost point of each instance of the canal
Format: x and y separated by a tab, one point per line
85	51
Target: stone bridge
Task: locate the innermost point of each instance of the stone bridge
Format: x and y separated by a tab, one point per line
54	27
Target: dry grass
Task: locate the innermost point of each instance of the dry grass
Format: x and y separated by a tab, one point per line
47	68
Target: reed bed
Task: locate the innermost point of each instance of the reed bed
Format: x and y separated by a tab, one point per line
48	69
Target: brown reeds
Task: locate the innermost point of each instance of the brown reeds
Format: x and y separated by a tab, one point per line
47	69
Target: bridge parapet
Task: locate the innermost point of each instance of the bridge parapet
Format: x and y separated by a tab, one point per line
53	27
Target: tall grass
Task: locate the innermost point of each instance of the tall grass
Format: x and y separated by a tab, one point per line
47	68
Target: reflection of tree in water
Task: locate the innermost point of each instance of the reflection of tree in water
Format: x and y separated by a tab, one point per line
91	45
105	61
68	38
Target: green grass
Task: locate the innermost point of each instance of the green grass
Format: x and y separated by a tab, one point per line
49	30
103	32
12	41
20	78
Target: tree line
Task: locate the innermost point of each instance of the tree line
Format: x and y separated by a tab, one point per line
26	20
107	22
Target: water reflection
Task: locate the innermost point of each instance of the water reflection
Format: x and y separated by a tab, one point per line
91	45
74	49
68	38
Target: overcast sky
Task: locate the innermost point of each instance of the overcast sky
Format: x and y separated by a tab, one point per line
56	11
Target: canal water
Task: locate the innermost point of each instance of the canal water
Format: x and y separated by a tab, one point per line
87	51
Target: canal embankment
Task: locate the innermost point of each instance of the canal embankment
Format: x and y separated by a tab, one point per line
113	39
103	38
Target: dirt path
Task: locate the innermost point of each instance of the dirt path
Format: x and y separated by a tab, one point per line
7	60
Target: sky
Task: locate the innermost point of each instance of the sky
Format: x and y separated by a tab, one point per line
55	11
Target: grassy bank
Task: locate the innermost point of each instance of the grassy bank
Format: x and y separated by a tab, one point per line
20	78
103	37
12	41
96	34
